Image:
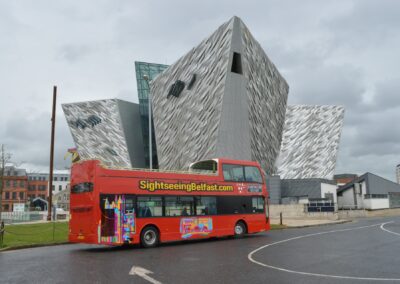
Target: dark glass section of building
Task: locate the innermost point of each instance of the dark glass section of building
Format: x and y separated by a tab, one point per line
151	70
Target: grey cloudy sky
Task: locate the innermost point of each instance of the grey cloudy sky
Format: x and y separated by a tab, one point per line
330	52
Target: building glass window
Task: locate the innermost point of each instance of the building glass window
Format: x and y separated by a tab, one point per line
59	187
14	195
7	183
21	196
14	183
7	196
22	183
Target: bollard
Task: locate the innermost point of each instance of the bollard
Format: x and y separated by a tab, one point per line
280	217
1	233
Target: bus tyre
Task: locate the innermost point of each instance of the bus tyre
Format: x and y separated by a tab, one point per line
149	237
240	229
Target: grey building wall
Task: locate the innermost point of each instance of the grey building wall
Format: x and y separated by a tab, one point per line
379	185
132	127
303	187
274	189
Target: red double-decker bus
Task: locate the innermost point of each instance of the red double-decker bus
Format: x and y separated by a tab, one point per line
216	198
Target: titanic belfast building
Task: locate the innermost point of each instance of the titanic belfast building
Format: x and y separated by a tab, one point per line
223	98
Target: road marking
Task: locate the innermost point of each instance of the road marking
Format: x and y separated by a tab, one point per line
142	272
382	227
250	257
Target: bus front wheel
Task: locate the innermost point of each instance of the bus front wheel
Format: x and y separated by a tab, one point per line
240	229
149	237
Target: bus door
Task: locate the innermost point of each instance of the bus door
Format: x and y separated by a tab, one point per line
117	224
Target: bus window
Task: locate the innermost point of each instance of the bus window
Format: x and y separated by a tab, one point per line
206	205
209	166
129	204
234	204
252	174
179	206
258	204
149	206
82	187
233	172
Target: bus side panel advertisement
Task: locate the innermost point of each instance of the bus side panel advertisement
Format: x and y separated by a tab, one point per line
191	227
123	223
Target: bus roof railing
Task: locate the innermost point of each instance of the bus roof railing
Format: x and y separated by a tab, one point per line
104	165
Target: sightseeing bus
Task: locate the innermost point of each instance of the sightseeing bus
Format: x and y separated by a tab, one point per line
215	198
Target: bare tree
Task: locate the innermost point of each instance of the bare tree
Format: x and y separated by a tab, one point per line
4	159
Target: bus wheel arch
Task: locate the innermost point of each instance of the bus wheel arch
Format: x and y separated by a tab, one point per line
240	228
150	236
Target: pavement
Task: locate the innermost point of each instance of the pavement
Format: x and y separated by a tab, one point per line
301	223
356	252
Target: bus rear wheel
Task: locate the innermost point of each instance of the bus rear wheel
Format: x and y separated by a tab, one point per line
149	237
240	229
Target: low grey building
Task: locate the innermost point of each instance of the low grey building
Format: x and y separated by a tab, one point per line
369	191
284	191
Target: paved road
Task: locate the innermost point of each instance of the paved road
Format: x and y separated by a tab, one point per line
327	254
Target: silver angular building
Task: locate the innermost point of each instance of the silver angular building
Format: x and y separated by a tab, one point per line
224	98
107	130
310	142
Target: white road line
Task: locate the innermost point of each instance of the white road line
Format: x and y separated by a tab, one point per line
382	227
250	257
142	272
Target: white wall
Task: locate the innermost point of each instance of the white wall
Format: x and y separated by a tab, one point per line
329	188
376	203
360	198
347	199
64	183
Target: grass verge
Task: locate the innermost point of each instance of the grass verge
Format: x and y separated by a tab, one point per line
35	234
47	234
278	227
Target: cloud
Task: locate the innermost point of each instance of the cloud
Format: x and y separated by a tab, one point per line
330	52
28	140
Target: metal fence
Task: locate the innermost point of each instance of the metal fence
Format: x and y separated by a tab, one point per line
18	217
321	206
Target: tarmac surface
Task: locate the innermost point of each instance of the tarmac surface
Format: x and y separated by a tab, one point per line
367	250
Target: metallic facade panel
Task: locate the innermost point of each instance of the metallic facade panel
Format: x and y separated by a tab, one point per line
98	131
267	93
233	109
310	142
186	127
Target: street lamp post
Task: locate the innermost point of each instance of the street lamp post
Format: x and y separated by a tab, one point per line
146	78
